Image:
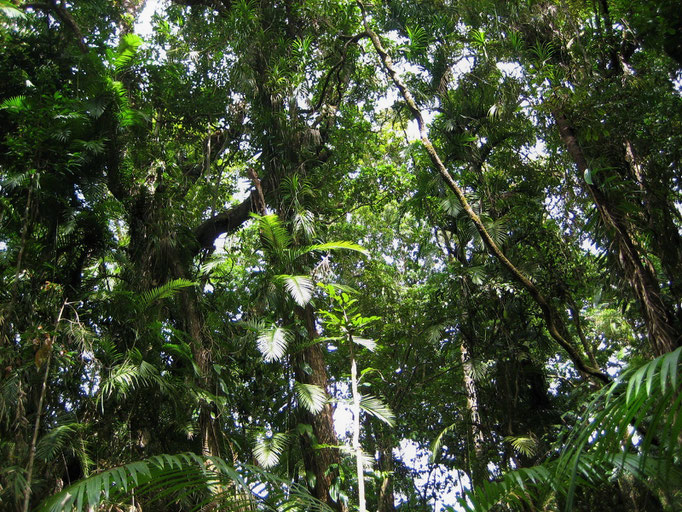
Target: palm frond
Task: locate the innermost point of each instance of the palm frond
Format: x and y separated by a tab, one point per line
267	449
273	234
377	408
526	445
299	287
14	104
132	373
273	342
369	344
310	396
632	426
173	478
332	246
148	298
53	442
438	442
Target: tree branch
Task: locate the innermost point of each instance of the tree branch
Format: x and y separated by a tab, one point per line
550	315
64	16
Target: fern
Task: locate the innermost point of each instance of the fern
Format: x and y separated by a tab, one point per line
646	401
174	478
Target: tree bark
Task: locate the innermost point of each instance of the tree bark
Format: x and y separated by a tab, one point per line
317	460
386	497
478	475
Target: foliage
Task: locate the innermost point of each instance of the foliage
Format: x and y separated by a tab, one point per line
262	264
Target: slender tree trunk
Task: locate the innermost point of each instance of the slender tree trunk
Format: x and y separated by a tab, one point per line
386	497
659	321
360	470
36	426
476	463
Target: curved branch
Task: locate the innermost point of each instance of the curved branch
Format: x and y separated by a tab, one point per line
550	315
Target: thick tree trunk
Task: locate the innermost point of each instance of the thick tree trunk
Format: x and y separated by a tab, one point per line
310	368
659	321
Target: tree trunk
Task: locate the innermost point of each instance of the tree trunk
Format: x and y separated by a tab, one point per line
477	462
659	321
310	368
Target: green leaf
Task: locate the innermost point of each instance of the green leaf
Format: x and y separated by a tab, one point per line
148	298
377	408
588	177
14	104
273	342
329	246
311	397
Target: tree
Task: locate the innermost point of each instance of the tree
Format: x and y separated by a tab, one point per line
170	202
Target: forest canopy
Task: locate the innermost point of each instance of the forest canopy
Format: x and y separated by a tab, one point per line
340	255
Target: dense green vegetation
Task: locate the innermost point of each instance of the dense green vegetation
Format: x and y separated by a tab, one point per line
340	255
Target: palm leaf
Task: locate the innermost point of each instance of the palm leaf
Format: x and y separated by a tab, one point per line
174	478
273	234
369	344
331	246
311	397
148	298
272	343
438	442
299	287
646	401
267	450
377	408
